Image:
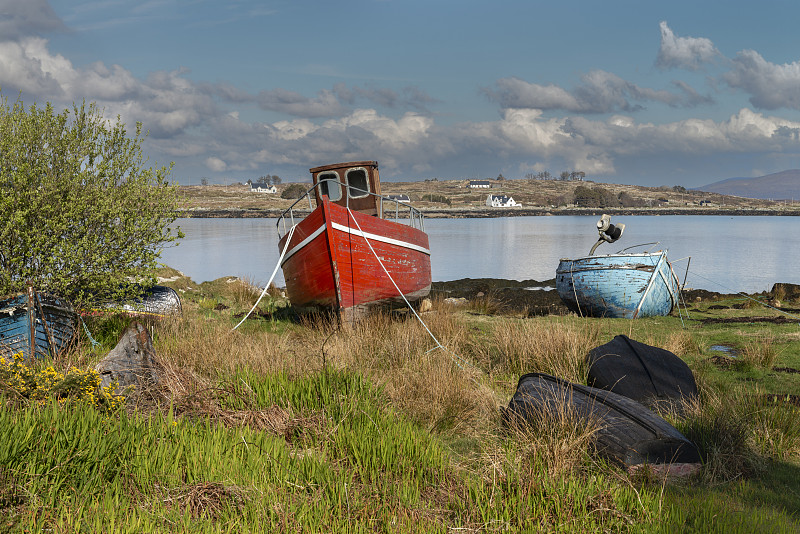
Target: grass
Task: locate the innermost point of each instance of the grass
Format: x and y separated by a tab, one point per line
293	425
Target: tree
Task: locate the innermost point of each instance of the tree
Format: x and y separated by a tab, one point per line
435	197
294	191
80	214
276	180
597	197
204	181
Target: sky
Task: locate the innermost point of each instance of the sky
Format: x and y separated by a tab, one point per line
647	93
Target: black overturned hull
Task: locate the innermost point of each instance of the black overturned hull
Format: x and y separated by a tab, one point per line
650	375
627	432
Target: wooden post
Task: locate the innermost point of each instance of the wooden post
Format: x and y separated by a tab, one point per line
31	323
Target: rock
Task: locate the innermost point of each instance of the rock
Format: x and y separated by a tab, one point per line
452	301
479	294
132	362
425	305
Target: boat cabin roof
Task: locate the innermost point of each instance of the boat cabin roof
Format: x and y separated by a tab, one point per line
355	184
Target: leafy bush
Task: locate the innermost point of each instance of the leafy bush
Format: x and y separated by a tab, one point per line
434	197
294	191
80	213
594	197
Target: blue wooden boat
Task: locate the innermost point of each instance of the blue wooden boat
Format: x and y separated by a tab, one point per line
622	285
36	324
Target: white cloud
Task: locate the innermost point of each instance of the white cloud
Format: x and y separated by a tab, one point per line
683	52
215	164
517	93
408	97
27	66
290	102
210	127
743	132
771	86
599	92
24	18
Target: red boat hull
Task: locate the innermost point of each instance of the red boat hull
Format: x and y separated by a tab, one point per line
329	262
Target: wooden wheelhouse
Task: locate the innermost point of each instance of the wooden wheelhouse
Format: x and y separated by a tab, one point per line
356	185
356	250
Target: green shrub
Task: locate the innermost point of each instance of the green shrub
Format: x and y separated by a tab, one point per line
434	197
294	191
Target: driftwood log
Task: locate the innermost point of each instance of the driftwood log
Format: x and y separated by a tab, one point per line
132	362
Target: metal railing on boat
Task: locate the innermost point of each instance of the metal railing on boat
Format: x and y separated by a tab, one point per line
401	212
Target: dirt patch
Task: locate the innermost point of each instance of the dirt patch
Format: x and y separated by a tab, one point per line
723	362
732	320
699	295
790	370
530	297
783	399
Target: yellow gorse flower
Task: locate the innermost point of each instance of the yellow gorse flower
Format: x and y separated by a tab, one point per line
78	386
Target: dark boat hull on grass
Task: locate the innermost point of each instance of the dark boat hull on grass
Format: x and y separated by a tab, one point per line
646	374
627	432
36	324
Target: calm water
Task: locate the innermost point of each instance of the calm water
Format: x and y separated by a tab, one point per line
728	254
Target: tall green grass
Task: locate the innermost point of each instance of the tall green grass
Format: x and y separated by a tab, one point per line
316	426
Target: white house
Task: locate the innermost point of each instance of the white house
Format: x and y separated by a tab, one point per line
500	201
399	198
258	187
479	184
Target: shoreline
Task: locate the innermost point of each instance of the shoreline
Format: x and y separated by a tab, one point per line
491	213
539	297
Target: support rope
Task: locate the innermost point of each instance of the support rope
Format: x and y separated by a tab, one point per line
271	278
95	343
455	357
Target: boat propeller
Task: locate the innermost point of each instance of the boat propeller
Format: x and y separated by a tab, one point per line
608	232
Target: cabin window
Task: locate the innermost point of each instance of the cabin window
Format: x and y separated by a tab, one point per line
329	185
357	183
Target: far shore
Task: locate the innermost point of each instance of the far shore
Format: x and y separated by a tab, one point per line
485	213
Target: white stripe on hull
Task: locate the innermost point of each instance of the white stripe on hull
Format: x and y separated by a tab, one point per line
342	228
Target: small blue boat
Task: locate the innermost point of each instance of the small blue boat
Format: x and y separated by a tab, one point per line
36	324
621	285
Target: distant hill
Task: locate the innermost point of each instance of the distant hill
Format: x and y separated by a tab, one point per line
778	186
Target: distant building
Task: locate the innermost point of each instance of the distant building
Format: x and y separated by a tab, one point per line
259	187
500	201
479	184
399	198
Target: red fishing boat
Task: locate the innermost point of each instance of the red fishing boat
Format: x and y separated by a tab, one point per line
354	249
